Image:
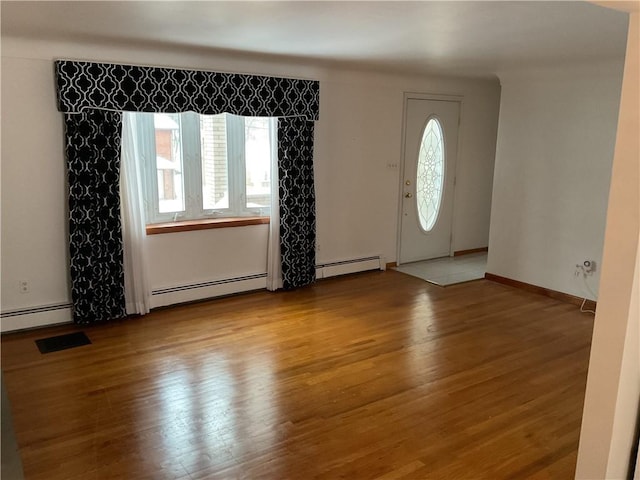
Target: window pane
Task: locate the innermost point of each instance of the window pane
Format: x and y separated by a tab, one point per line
258	162
169	167
215	179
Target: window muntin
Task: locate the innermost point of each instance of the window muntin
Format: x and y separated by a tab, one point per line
430	175
206	166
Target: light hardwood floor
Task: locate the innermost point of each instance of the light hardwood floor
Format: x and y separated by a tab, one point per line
376	375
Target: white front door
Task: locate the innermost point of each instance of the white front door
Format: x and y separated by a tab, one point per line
430	149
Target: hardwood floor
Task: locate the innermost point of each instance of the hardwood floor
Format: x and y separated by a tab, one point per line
376	375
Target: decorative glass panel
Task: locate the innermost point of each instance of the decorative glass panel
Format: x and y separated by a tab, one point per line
430	175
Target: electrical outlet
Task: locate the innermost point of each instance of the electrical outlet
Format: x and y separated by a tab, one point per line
589	266
23	286
586	269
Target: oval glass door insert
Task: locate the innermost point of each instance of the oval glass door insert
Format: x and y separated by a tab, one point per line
430	175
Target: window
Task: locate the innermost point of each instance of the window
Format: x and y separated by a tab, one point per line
205	166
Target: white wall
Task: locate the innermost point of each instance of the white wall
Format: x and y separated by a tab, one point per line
554	152
34	235
610	415
358	135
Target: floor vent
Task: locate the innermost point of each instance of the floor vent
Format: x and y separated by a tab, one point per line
62	342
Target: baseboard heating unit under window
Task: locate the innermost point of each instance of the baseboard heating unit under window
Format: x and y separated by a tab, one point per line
355	265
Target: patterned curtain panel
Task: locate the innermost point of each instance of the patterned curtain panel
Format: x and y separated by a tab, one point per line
95	237
134	88
297	202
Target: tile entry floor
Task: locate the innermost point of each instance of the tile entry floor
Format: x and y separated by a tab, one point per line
448	270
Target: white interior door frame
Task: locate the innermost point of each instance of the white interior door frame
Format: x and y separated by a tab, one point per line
426	96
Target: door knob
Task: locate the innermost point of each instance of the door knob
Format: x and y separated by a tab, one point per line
408	195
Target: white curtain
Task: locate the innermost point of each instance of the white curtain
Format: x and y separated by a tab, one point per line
274	262
137	291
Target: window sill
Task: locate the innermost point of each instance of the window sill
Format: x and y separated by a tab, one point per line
204	224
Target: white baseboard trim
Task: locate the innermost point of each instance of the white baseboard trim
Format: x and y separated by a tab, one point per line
163	297
33	317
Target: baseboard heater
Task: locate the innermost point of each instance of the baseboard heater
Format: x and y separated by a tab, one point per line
211	283
162	297
354	265
39	316
33	317
216	288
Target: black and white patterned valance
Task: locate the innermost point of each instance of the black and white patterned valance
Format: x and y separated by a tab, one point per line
133	88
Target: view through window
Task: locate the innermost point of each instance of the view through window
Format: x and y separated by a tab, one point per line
203	166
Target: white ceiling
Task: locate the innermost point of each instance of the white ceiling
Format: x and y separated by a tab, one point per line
479	38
